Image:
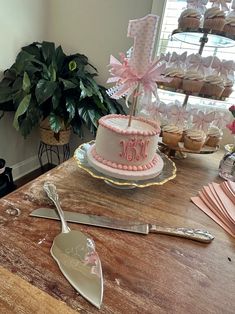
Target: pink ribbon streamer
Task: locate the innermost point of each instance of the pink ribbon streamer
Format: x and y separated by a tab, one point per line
202	120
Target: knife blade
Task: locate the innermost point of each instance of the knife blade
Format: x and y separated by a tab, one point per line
118	224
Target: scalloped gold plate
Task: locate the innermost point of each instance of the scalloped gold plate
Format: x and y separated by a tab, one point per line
168	171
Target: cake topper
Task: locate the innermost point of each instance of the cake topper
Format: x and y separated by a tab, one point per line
202	120
137	73
221	4
199	5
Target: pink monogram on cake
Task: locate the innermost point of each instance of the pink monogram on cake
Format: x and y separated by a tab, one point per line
134	149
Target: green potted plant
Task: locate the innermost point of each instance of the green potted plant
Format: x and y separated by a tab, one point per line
44	82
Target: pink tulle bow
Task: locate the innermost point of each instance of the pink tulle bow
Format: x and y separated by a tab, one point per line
197	62
165	57
233	5
223	67
202	120
156	110
221	119
177	58
127	80
177	114
199	5
221	4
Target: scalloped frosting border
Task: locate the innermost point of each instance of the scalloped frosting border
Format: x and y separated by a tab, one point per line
102	122
122	166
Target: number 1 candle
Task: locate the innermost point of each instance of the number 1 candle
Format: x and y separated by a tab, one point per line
138	73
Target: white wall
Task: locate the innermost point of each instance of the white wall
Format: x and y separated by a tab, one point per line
96	28
21	22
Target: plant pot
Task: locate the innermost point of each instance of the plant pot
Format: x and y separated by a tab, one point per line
49	137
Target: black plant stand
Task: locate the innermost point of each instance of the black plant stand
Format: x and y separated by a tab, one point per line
53	150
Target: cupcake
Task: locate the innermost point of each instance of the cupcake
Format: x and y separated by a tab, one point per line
193	81
171	135
214	136
175	76
229	26
213	86
194	140
228	88
214	19
189	18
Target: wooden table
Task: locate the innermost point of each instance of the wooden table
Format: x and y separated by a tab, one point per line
142	274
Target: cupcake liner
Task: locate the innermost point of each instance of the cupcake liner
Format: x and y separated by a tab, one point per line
216	24
227	91
192	144
212	141
189	22
175	83
192	86
229	29
212	90
171	139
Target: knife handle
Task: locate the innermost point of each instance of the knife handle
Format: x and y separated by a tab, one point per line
189	233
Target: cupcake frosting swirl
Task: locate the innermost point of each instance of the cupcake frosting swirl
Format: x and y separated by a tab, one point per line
213	13
214	79
190	13
196	135
171	128
214	131
230	19
174	72
193	75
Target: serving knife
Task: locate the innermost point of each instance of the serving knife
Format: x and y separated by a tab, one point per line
117	224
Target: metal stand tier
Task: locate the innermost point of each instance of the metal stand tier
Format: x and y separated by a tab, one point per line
202	37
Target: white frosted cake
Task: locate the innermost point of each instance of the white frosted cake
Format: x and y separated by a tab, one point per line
126	152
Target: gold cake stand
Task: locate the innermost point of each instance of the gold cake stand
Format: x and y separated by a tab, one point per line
168	171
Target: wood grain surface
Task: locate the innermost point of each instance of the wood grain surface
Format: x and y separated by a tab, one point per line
142	274
18	296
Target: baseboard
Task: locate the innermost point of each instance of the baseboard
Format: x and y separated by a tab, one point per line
24	167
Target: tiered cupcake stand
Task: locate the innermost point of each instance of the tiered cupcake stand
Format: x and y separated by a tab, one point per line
201	38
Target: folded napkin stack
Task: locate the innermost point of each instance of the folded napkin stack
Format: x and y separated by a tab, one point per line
218	202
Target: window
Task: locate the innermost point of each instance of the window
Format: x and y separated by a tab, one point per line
172	12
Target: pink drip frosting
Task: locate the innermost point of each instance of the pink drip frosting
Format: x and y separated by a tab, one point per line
102	121
121	166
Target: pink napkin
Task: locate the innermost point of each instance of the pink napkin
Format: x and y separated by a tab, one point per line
218	202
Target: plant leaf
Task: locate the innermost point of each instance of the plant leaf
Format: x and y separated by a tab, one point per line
5	94
55	122
26	83
94	116
44	90
59	58
68	84
70	106
22	108
85	92
48	51
33	49
52	72
56	98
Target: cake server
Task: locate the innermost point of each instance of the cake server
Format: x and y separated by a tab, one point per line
76	256
116	224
